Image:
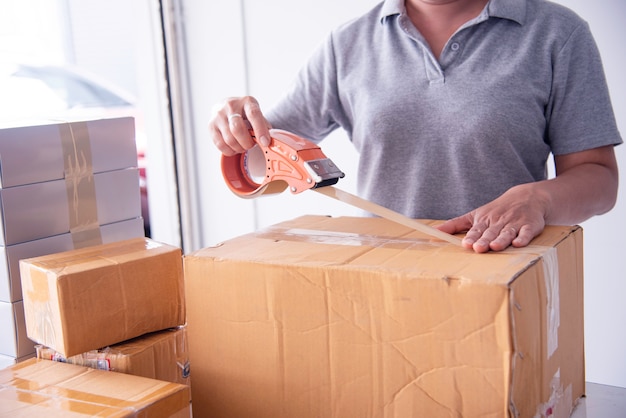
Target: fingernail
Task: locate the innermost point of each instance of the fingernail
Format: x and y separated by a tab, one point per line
265	140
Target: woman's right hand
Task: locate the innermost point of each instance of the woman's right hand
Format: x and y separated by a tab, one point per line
228	129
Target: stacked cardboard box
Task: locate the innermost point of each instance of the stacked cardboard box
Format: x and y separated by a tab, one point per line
62	186
42	388
117	306
361	317
160	355
85	299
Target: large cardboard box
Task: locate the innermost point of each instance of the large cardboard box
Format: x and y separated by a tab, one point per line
161	355
362	317
46	150
42	388
10	284
86	299
78	205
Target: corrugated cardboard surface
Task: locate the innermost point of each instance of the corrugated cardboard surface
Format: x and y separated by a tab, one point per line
86	299
42	388
161	355
361	317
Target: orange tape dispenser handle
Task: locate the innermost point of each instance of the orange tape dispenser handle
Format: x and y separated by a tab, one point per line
288	161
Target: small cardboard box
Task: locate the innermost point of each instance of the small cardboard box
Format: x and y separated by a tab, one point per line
320	317
42	388
14	342
50	150
86	299
160	355
78	205
10	284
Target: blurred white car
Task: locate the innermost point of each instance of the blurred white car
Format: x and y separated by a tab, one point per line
62	92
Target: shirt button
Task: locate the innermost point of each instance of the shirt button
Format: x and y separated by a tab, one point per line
455	46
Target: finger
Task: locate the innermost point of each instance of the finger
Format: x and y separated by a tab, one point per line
456	225
473	235
222	137
482	242
525	236
504	238
234	127
238	132
219	129
215	134
260	126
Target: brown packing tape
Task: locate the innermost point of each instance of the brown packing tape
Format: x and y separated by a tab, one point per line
80	186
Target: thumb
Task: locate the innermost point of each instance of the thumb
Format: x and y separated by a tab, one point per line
455	225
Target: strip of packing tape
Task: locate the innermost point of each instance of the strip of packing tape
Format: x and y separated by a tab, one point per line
79	183
553	309
560	403
344	238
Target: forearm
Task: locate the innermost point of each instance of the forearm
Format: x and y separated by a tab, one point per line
579	193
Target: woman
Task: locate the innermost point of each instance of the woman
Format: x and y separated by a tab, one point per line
454	107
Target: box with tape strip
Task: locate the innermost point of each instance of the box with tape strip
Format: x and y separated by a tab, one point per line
78	205
14	342
43	388
46	150
67	177
63	185
323	316
85	299
158	355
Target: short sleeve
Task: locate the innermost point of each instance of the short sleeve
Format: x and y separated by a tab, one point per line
311	108
579	114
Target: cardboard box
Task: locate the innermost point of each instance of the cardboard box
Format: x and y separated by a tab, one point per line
42	388
10	285
50	150
86	299
77	205
14	341
363	317
159	355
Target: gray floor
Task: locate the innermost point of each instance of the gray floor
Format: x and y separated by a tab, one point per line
602	402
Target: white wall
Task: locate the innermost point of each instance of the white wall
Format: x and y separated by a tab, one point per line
605	249
278	37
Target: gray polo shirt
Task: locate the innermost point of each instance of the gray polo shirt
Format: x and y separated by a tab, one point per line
438	138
